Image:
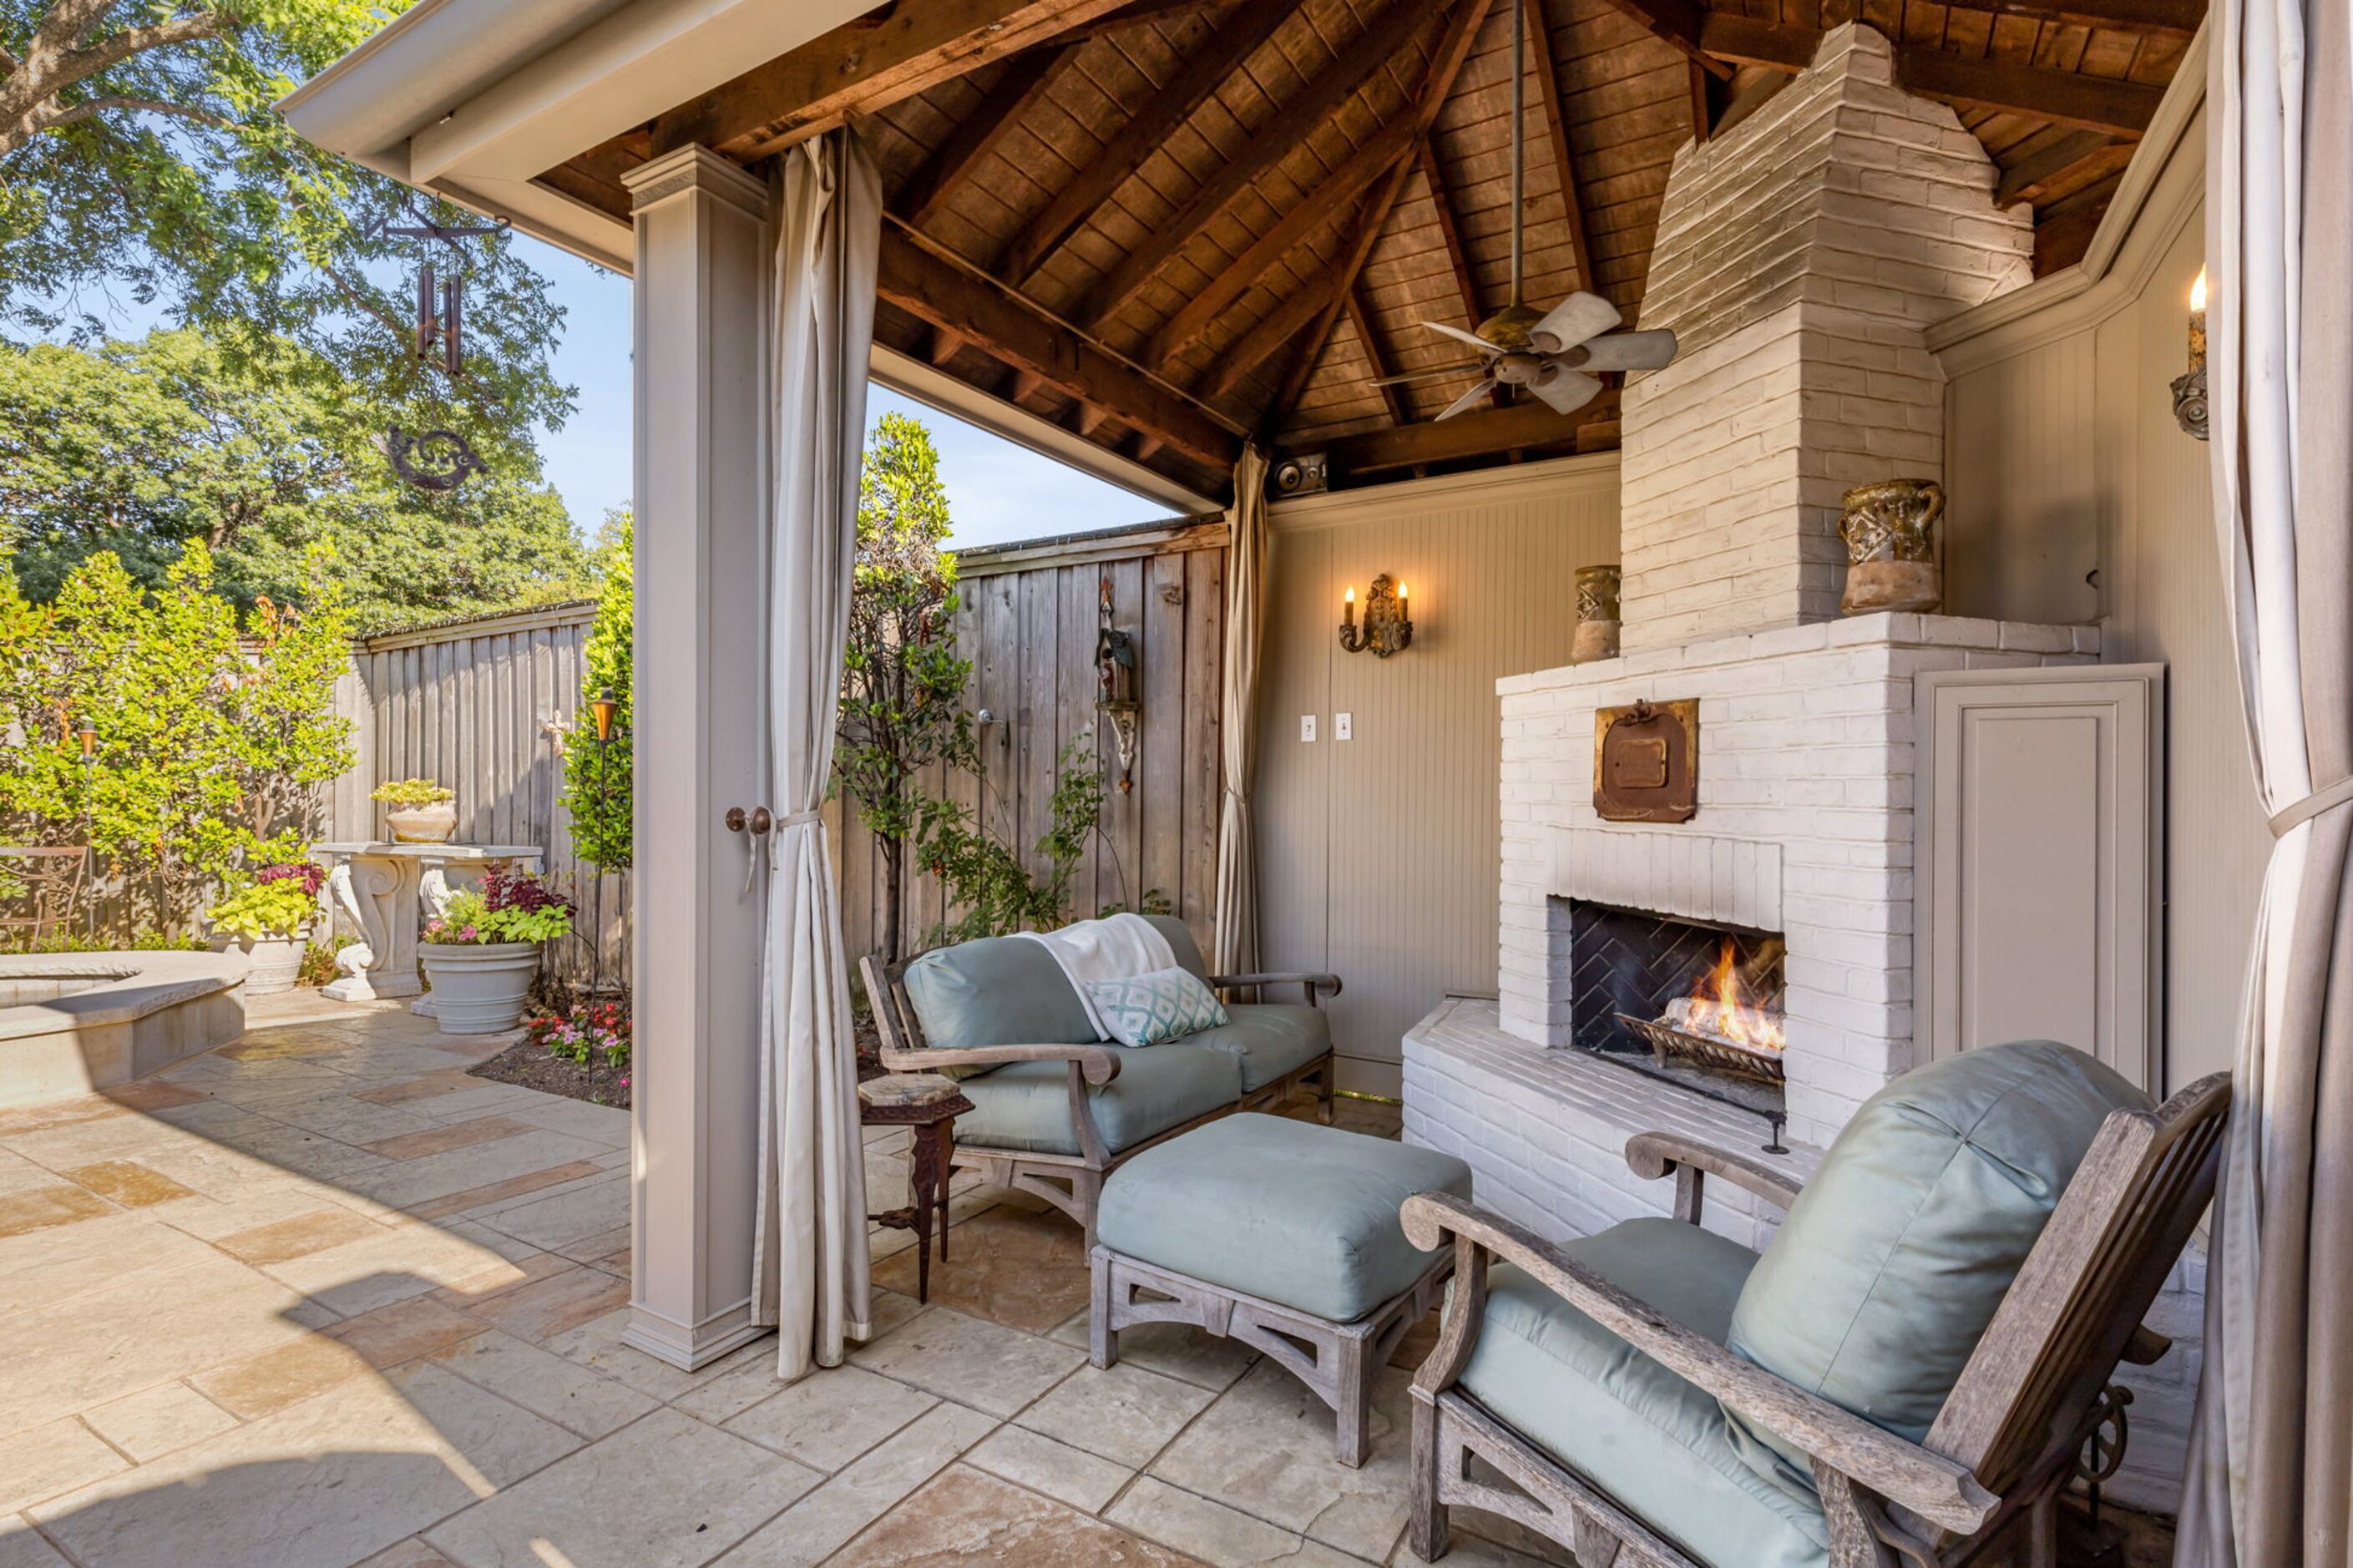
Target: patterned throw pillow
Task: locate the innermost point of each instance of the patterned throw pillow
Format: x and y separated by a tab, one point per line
1146	1009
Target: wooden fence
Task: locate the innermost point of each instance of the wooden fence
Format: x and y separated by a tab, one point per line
480	705
1027	624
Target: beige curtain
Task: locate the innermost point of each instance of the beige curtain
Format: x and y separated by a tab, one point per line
1234	949
2271	1474
810	1270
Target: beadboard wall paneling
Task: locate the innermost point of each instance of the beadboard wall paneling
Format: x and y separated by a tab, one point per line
1377	854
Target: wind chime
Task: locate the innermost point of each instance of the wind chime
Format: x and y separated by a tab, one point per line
437	459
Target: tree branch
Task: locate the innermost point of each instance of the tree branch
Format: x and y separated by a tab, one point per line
116	47
55	116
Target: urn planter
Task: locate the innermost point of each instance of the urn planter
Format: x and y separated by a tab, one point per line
273	962
480	988
422	824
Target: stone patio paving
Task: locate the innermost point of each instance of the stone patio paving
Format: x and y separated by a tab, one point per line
321	1298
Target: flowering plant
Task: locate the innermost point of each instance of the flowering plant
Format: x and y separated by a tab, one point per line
512	906
590	1033
277	902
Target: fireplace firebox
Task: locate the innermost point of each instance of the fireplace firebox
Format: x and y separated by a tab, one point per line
1697	1002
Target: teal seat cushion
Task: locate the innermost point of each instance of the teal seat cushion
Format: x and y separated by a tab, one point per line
998	991
1893	1260
1660	1446
1290	1211
1270	1038
1026	1106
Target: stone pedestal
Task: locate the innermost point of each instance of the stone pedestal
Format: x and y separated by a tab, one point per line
388	890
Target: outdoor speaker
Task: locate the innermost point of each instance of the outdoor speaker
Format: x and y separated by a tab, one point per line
1302	476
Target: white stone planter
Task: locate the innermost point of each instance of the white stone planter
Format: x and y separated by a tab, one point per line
273	962
421	823
478	988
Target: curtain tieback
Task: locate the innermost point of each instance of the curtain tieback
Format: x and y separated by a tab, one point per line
2312	805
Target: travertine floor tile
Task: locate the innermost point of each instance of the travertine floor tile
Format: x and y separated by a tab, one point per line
540	1381
543	1309
1023	1270
1218	1534
825	1421
1083	1480
1172	1350
965	1517
48	1460
40	1208
410	1554
441	1137
986	1365
569	1216
151	1423
127	1183
265	1384
403	1330
1123	1412
496	1442
664	1492
22	1547
819	1524
283	1240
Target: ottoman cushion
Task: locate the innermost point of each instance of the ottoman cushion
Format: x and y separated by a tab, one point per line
1290	1212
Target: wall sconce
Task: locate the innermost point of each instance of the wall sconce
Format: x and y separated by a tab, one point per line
1389	627
2189	387
1120	697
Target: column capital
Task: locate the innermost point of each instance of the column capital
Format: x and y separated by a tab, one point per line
694	169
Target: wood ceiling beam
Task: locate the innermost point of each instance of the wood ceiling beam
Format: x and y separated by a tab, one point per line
1134	14
1487	433
1446	62
2178	17
1360	321
1027	79
888	55
1450	231
2031	92
1325	198
1384	35
950	294
1152	123
2072	155
1564	158
1703	107
1676	23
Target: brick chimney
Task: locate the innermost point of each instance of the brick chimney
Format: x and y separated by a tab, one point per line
1799	258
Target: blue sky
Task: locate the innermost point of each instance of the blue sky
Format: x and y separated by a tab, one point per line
997	491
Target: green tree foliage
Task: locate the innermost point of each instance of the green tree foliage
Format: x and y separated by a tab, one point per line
599	777
139	449
901	709
210	747
141	157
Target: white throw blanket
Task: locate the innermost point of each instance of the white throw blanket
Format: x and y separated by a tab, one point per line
1118	947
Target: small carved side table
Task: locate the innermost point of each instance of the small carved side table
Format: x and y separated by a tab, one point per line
927	1105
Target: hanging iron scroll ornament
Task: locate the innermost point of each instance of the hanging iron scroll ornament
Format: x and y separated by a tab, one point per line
437	459
1120	695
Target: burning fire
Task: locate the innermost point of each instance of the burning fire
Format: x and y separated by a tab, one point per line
1720	1005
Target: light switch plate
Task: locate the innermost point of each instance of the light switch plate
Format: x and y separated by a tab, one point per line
1341	725
1307	726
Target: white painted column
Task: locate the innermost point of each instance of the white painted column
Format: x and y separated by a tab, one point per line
703	245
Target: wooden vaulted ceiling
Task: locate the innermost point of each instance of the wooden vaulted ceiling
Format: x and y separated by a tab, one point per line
1175	225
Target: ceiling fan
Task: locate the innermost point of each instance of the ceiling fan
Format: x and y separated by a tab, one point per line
1551	352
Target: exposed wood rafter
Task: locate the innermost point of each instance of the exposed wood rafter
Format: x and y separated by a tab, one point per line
1324	200
1488	433
2076	159
1372	49
940	288
2178	17
1135	12
1676	23
1152	124
864	66
1376	360
2032	92
1026	81
1564	157
1446	62
1703	103
1450	230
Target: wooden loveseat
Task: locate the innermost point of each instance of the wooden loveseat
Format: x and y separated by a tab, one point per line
1055	1109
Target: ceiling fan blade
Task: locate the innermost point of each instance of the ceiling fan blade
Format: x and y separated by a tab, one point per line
1486	384
1574	319
1567	392
1473	339
1427	374
1630	351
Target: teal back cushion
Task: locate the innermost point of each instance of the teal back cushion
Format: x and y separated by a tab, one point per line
998	990
1181	943
1892	1262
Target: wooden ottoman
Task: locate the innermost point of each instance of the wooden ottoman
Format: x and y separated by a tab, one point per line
1282	1234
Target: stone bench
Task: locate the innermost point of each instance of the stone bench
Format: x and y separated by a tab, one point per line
1282	1235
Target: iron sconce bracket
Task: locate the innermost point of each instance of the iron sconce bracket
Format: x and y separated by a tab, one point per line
1387	628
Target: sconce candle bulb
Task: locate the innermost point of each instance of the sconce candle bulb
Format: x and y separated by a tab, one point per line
2189	387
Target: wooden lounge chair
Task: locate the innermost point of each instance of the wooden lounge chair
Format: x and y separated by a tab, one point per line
1054	1115
2004	1442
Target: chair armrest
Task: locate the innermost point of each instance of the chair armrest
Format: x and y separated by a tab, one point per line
1652	1155
1939	1489
1315	986
1099	1065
